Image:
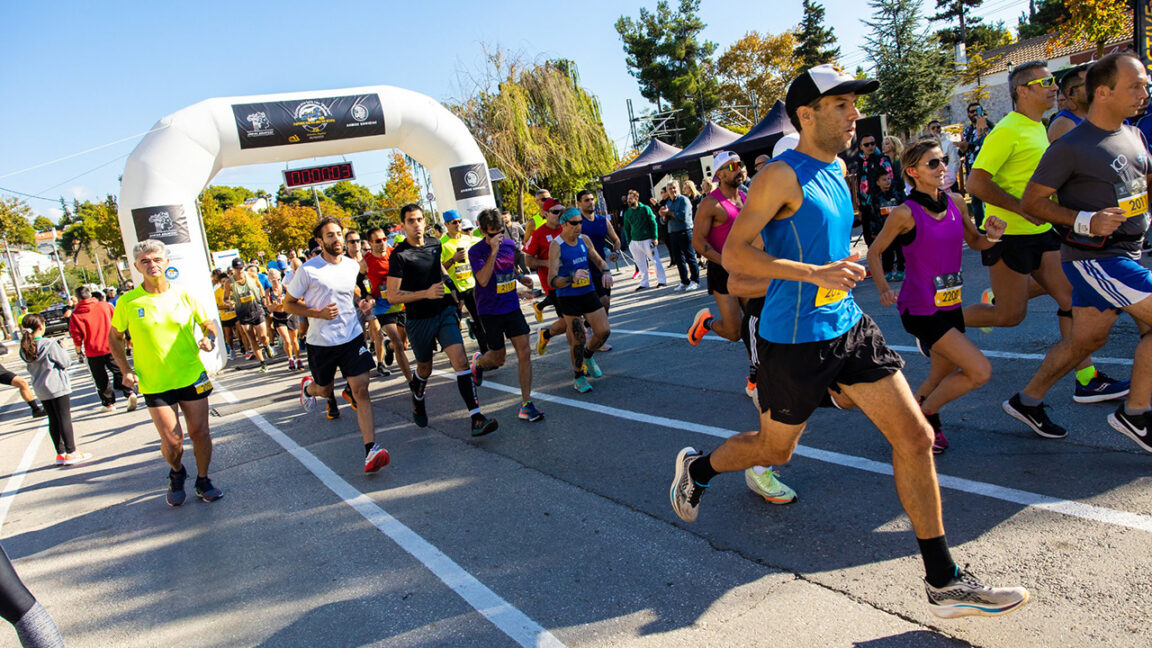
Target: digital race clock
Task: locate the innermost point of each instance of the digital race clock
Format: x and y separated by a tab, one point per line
325	174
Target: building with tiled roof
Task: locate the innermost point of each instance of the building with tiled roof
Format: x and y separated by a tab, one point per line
998	103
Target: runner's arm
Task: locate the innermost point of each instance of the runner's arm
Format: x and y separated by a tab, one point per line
702	227
398	296
980	184
593	255
1036	200
775	192
972	236
554	266
1058	127
898	222
483	274
116	340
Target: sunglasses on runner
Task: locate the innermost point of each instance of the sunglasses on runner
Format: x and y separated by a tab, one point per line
556	211
1043	82
574	221
351	241
734	165
935	163
869	143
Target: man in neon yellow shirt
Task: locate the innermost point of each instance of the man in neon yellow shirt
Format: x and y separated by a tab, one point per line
162	319
1029	247
454	256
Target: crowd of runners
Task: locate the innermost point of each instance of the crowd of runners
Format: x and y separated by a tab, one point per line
779	267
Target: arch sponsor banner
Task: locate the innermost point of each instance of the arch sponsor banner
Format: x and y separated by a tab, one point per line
279	123
165	223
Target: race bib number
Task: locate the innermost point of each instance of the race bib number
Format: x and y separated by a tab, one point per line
505	283
580	283
948	288
246	298
463	271
1134	205
203	384
884	211
829	296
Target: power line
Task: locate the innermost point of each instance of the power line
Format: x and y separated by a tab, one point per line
28	195
69	157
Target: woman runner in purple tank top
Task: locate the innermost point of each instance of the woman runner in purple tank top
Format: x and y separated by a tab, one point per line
932	226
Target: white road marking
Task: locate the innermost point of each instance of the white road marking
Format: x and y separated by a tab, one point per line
902	349
17	478
508	619
1003	493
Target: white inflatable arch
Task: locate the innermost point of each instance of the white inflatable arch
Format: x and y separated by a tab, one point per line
173	163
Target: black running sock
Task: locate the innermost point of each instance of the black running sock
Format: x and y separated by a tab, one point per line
417	386
587	353
34	405
467	390
368	448
934	421
939	568
477	417
708	323
701	471
547	333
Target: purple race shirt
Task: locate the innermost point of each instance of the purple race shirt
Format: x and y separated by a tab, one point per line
499	296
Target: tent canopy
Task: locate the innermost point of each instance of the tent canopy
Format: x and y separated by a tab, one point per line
711	138
656	151
765	133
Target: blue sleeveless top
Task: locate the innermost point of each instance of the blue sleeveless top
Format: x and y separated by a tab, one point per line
818	233
1069	114
573	258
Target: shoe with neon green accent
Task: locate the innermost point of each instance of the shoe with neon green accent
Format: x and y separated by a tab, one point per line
988	299
592	368
541	342
769	487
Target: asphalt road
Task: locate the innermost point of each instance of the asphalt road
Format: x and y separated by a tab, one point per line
560	532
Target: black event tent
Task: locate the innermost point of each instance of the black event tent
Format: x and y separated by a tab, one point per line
763	135
712	138
656	151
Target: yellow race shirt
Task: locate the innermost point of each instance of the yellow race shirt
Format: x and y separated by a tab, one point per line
164	351
461	273
1010	154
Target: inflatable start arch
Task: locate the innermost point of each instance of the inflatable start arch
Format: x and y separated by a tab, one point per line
185	150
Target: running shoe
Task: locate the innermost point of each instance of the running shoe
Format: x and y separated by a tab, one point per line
263	368
477	372
680	288
963	596
389	354
581	385
39	412
691	286
1033	417
988	298
661	285
639	288
768	486
750	389
377	458
269	351
176	494
538	311
419	413
684	492
541	342
696	332
333	409
248	355
381	370
592	368
604	347
109	408
1101	388
76	458
1133	426
939	443
927	353
307	401
889	276
347	395
482	425
528	412
132	402
60	460
206	491
635	274
898	276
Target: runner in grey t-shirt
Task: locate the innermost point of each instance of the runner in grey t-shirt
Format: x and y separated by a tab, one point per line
1099	172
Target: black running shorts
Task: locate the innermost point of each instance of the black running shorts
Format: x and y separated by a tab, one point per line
794	378
498	327
423	333
577	305
6	376
717	279
351	358
194	392
1021	252
396	317
930	328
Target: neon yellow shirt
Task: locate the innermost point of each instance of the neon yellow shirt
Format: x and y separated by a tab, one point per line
1010	154
164	351
460	273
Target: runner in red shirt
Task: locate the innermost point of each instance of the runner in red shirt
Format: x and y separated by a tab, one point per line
389	316
536	256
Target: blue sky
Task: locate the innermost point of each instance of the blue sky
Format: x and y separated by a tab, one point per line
79	75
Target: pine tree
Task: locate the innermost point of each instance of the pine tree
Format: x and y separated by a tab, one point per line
816	40
915	75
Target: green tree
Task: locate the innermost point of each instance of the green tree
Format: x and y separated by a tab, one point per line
43	224
226	196
352	197
400	188
289	227
670	62
16	221
539	125
815	46
304	197
93	228
1094	21
980	37
756	70
914	73
1046	15
236	227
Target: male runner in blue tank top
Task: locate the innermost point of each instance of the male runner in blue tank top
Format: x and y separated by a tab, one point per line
1072	87
813	337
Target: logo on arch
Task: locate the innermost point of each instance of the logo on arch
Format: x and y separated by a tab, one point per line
470	181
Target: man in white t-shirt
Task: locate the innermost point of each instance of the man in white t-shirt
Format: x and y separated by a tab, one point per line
322	290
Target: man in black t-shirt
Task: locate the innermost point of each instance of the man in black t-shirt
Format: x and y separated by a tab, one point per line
416	278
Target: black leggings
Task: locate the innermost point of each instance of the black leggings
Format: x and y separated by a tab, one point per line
15	599
60	423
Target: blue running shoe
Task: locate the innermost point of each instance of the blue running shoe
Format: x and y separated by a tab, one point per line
176	494
477	370
528	412
581	385
1101	388
206	491
592	368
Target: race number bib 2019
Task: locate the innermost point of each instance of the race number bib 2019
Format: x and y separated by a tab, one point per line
580	283
1132	197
